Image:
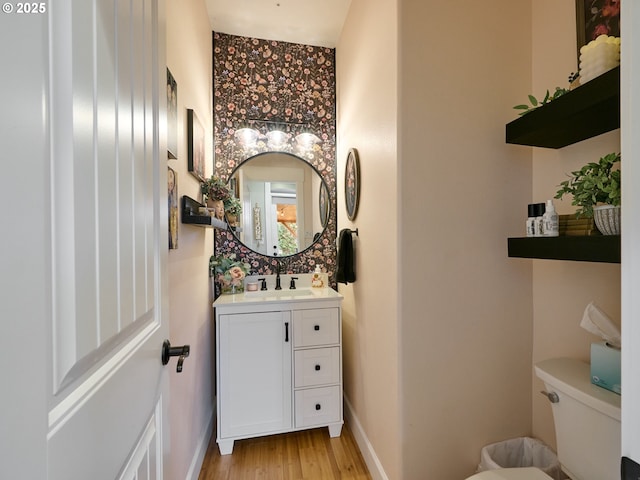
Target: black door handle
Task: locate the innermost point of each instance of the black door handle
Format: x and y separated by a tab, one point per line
286	331
181	352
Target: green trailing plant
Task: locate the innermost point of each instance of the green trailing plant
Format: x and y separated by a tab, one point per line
215	188
232	206
596	182
535	103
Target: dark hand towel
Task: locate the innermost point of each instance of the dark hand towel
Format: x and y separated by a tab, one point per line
346	271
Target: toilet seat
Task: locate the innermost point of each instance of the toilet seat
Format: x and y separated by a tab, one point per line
528	473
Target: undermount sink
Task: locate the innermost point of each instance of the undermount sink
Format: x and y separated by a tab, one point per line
285	292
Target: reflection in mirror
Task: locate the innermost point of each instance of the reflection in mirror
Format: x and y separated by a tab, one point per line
285	204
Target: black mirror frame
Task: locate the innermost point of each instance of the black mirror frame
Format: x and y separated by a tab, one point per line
323	188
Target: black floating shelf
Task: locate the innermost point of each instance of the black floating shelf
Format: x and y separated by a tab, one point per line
597	248
588	111
191	216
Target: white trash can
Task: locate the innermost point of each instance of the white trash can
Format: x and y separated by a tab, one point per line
521	452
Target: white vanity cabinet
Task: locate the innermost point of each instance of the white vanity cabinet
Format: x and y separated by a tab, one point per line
278	364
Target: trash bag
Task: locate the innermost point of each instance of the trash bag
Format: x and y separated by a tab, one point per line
521	452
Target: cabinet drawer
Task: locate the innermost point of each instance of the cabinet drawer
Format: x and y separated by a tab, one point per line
316	327
318	406
318	366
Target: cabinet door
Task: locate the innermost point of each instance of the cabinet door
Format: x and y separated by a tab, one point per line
255	373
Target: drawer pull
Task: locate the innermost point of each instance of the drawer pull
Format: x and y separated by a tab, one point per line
318	407
317	368
316	327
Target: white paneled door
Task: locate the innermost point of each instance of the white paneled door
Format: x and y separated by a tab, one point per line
630	125
85	255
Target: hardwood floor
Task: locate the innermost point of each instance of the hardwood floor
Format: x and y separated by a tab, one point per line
309	454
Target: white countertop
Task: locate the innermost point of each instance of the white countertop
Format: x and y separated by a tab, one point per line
284	295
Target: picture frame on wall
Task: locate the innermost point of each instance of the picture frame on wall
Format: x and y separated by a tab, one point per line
352	183
195	145
172	116
172	196
595	18
233	186
323	204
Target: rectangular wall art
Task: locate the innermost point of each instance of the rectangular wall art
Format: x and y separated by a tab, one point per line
172	193
172	116
595	18
195	145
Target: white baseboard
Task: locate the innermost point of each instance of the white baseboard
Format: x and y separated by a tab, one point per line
201	450
368	453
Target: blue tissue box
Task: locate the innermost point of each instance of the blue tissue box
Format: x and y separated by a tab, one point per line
605	366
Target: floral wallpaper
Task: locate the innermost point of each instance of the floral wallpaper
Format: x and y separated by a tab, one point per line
260	83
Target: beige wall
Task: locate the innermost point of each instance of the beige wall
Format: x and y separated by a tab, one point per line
561	290
189	57
436	293
465	307
465	323
366	59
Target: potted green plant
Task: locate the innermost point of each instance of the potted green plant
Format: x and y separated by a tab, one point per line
596	192
535	103
216	192
233	208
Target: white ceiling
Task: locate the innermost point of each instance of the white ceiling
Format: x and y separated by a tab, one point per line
310	22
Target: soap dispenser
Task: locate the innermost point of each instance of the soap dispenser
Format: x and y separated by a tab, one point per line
317	280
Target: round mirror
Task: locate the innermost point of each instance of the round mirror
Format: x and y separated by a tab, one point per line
285	204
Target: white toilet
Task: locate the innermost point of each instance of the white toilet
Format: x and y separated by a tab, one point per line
587	424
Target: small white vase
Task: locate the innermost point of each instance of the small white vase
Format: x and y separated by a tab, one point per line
607	219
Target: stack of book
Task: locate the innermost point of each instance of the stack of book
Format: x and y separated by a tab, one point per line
572	226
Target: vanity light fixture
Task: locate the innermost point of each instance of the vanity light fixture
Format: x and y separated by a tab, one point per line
306	140
277	140
247	137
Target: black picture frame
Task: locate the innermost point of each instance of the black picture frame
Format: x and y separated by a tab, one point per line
172	116
195	145
352	183
323	204
594	18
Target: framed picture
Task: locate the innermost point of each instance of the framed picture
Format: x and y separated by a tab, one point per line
595	18
233	186
195	145
172	116
172	192
352	183
323	204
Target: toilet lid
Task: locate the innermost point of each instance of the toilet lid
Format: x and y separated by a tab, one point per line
529	473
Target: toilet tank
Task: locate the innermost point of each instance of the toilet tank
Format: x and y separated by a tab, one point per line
586	418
